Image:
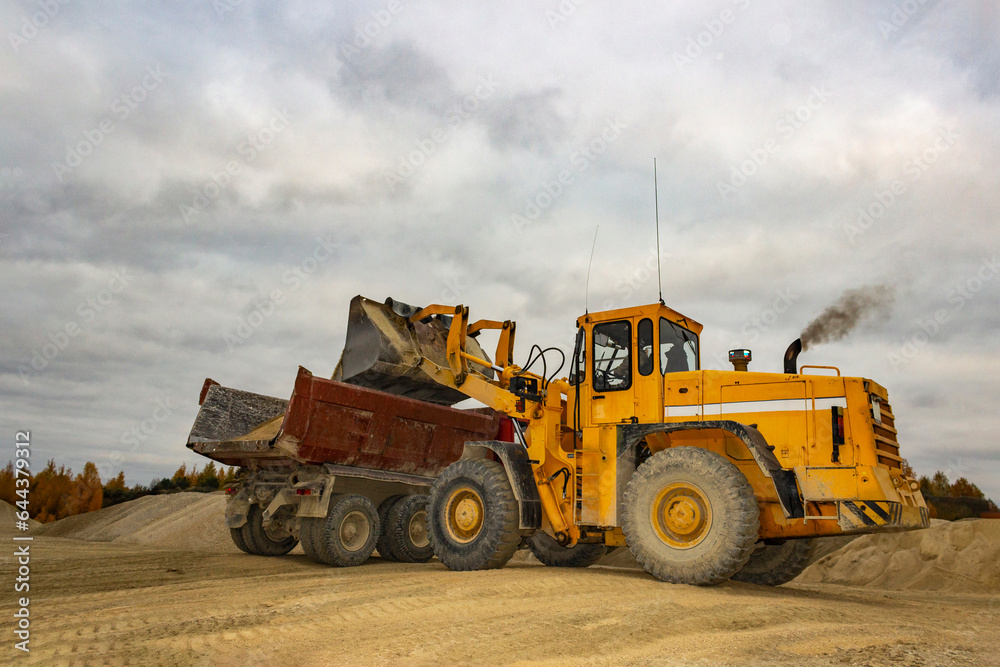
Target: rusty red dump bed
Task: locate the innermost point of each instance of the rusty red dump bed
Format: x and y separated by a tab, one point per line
329	422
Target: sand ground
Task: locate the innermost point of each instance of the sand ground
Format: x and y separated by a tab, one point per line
121	604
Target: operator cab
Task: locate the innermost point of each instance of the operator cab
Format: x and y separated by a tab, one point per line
622	356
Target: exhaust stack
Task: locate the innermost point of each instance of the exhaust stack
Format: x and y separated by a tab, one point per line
792	357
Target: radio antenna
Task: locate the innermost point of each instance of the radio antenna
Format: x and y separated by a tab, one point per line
594	246
656	205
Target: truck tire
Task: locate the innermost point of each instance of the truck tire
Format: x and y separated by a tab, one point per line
551	553
307	538
405	530
776	564
347	536
385	549
259	541
473	516
690	517
241	544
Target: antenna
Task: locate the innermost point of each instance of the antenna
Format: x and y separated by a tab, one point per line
656	204
587	302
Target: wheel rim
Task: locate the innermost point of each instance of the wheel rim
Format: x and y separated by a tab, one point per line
681	515
417	530
464	514
354	530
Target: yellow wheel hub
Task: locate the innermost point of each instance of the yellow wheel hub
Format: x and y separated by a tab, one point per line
464	511
681	515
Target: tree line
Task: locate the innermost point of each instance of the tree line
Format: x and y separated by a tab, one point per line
55	492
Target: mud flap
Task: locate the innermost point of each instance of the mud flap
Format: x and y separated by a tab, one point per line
236	509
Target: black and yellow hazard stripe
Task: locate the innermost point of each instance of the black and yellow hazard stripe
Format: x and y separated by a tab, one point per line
870	513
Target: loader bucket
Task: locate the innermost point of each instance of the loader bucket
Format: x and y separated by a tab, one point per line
384	349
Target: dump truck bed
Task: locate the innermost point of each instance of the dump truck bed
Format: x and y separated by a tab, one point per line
330	422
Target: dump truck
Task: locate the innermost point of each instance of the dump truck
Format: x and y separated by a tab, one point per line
704	475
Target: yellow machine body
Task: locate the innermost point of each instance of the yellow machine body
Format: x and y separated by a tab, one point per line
819	450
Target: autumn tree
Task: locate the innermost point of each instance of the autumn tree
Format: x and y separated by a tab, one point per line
208	477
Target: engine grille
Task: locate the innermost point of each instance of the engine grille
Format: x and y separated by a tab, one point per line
886	444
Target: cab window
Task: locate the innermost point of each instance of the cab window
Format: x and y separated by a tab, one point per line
612	356
644	346
678	348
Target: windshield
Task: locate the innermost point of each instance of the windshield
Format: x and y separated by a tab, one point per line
678	348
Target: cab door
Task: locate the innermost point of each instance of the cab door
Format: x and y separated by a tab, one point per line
612	372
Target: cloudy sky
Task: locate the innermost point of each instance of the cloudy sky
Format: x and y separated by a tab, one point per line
198	188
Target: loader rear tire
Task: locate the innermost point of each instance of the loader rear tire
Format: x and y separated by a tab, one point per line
385	549
405	530
473	516
776	564
690	517
347	536
259	541
241	544
551	553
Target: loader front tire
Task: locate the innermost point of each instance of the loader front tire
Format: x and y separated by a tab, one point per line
405	529
473	516
260	540
347	536
690	517
551	553
776	564
385	549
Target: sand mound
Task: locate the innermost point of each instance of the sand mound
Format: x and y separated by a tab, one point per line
185	521
8	517
960	556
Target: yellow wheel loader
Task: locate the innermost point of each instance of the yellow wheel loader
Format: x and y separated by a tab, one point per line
705	475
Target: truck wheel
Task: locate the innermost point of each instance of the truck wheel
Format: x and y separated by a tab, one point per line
237	535
473	516
406	530
776	564
690	517
347	537
551	553
385	549
308	531
260	540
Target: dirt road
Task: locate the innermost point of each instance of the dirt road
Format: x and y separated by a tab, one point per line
98	603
